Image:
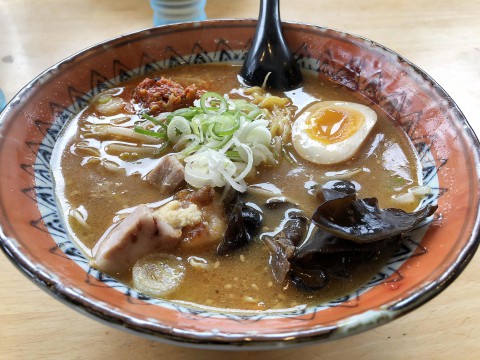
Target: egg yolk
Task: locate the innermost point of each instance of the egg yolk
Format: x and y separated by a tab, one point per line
333	124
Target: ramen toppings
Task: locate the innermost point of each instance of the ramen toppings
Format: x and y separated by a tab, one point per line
213	204
161	94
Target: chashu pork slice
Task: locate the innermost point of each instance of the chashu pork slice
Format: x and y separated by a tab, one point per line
167	175
135	236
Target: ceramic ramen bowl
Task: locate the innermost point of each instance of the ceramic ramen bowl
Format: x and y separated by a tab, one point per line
34	237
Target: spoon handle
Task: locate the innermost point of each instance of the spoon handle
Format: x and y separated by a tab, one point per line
269	54
269	20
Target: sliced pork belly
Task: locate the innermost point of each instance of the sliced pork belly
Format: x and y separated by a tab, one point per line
135	236
168	175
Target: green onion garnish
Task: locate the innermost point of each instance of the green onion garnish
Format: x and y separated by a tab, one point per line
159	135
154	120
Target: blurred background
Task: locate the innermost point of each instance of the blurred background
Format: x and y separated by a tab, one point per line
441	37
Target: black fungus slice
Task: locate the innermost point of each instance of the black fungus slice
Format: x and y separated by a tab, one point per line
309	279
319	250
252	219
282	246
362	221
277	203
281	250
337	189
295	228
325	256
244	223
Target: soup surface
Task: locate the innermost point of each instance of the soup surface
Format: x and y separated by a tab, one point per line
101	178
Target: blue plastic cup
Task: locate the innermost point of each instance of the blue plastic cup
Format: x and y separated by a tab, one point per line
172	11
2	100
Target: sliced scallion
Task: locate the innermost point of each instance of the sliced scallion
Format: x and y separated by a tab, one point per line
151	118
187	113
213	103
233	155
177	128
226	125
141	130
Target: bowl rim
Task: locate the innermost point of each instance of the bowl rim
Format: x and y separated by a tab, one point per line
53	285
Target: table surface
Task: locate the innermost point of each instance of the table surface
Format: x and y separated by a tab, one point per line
441	37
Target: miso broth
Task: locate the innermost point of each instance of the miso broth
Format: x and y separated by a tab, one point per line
101	177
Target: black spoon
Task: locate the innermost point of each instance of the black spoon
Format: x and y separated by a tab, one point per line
269	54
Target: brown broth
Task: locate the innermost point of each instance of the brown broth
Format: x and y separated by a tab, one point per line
243	279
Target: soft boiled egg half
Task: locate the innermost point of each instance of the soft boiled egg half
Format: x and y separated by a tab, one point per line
329	132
